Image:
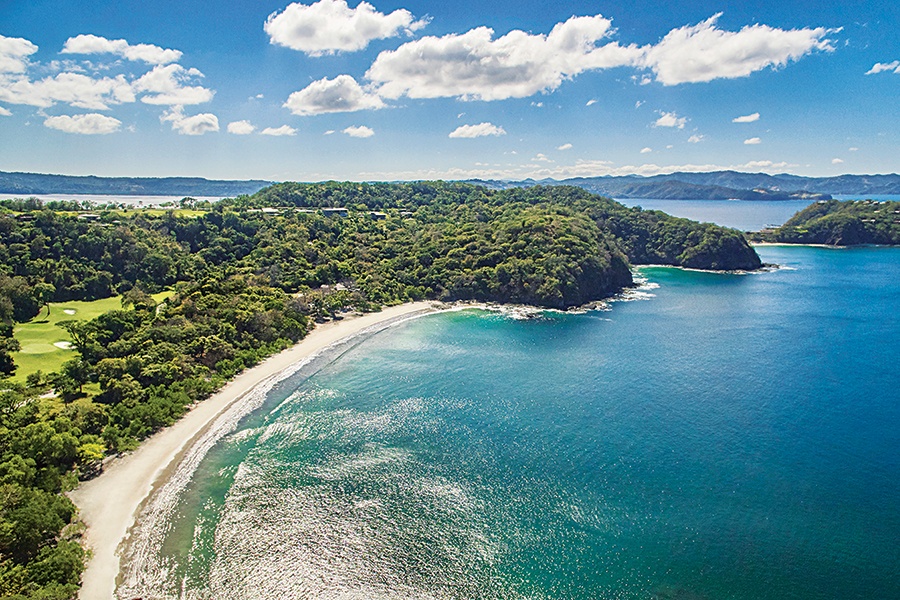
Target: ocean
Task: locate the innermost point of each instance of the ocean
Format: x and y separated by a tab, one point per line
708	436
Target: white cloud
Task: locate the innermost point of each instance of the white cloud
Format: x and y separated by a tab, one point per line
853	149
474	131
639	103
541	158
74	89
752	141
360	131
341	94
164	84
646	150
473	65
746	118
193	125
329	132
884	68
330	26
4	112
836	161
241	127
88	124
702	52
696	138
93	44
565	147
591	102
763	165
14	53
279	131
670	119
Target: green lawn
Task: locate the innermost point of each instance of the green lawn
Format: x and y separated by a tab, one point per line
43	341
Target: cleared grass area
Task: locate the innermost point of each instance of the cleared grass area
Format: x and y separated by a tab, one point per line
45	344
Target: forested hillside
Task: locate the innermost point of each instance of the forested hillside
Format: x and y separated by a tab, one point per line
836	223
249	277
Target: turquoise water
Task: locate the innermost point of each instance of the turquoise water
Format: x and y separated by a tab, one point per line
727	437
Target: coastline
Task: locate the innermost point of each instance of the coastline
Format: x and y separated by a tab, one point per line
829	246
109	503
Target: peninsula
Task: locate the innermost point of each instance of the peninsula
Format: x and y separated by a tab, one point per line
243	279
833	223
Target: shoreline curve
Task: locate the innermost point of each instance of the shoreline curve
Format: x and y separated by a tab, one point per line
109	503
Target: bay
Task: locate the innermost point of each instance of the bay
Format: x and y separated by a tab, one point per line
721	436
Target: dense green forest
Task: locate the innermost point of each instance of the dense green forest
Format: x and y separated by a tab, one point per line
250	276
836	223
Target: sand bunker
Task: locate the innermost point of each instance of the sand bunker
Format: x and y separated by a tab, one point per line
63	345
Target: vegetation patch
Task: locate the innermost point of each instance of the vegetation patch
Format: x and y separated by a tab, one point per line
45	346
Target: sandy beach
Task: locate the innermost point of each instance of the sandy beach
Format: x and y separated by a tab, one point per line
109	503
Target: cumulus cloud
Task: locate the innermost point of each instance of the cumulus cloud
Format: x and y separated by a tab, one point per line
341	94
165	85
88	124
884	68
74	89
752	141
565	147
703	52
670	119
330	26
475	66
646	150
696	138
4	112
474	131
746	118
279	131
360	131
14	53
192	125
94	44
241	127
836	161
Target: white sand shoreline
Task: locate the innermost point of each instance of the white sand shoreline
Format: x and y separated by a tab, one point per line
109	503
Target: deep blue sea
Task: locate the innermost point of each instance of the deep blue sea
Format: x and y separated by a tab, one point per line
715	437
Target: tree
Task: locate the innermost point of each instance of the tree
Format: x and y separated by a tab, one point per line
44	293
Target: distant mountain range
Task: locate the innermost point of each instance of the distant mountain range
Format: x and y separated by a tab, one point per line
721	185
716	185
23	184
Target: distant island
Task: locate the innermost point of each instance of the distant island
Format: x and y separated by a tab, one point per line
834	223
24	184
716	185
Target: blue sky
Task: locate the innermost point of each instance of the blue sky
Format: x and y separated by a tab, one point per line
419	90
